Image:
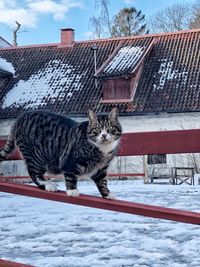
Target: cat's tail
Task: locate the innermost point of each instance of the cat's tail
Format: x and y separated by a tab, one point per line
8	148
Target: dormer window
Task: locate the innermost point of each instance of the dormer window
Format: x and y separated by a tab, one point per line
121	72
120	89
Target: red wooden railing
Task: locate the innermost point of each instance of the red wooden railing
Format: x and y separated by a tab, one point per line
101	203
5	263
145	143
11	177
166	142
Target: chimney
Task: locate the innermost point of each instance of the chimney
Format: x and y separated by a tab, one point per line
67	37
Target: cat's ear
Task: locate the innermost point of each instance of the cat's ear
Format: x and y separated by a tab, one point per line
114	114
92	116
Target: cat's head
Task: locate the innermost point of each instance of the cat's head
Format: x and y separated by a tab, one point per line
104	129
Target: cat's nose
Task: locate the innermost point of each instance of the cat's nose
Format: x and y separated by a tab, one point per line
104	136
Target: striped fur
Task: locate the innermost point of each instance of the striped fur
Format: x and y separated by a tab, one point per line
56	144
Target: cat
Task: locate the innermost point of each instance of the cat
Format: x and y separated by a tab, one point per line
56	144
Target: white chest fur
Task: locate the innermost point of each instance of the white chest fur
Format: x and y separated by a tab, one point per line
107	148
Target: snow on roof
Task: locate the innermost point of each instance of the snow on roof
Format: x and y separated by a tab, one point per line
167	72
126	57
42	87
6	66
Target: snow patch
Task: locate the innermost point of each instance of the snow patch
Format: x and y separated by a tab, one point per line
54	82
125	58
166	73
6	66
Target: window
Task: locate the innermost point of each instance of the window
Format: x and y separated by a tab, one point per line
120	88
122	70
157	159
116	89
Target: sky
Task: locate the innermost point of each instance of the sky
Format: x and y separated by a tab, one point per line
42	20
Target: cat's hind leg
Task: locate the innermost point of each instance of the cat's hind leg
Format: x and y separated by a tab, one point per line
41	182
36	172
36	168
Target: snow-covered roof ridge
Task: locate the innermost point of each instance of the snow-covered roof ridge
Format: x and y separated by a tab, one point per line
6	66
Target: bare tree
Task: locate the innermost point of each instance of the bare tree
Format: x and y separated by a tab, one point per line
15	33
105	16
101	25
95	23
173	18
195	21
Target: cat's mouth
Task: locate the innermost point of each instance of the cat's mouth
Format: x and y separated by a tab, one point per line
104	141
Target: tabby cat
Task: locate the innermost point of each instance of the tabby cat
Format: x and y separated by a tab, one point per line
56	144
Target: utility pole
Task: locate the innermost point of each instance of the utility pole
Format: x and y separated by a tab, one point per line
94	48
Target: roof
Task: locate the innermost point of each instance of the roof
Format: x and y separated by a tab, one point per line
61	79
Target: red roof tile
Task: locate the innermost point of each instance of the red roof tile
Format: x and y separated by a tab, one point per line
61	79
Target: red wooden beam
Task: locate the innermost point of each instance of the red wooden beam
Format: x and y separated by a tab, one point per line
4	263
125	174
165	142
11	177
101	203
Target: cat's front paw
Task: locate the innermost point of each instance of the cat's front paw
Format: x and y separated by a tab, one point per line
110	196
50	187
72	193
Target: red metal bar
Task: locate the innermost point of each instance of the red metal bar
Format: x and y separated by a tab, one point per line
4	263
126	174
61	177
27	177
101	203
165	142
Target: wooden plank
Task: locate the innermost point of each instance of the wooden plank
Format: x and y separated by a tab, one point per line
145	143
165	142
126	174
101	203
12	177
5	263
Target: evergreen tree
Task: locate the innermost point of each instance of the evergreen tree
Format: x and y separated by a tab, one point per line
129	22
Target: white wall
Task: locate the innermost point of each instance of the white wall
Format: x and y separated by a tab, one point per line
161	122
142	123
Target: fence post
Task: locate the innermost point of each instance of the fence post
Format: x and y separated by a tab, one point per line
145	169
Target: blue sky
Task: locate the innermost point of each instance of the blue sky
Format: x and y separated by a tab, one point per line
42	19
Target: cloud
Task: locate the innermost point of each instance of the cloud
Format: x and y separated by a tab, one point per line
129	1
9	16
58	10
28	12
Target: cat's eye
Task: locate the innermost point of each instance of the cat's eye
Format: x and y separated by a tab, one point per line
111	128
96	130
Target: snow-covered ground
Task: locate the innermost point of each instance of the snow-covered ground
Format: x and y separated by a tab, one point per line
50	234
